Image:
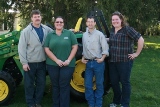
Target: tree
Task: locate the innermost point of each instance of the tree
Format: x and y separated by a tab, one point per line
140	14
6	17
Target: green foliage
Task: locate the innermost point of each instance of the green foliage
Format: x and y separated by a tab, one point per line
140	14
5	17
153	30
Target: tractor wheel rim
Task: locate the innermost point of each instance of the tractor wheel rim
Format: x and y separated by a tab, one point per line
4	90
77	81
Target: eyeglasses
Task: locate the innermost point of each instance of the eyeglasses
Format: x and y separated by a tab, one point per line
58	22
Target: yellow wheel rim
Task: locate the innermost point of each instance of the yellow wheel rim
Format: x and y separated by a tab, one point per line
4	90
77	81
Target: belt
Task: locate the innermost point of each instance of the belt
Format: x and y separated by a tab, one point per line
90	59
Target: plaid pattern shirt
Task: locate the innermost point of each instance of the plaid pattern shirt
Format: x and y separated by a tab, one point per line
122	43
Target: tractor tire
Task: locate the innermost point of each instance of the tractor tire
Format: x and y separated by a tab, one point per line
7	88
11	68
77	81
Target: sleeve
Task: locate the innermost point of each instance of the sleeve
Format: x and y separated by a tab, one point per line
22	48
132	33
104	45
49	30
82	45
46	43
73	39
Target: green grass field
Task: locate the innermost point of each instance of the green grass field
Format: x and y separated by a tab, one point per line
145	80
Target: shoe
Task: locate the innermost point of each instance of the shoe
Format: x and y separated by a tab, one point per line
113	105
38	105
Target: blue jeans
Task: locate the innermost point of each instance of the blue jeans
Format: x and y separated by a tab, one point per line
34	83
120	73
60	79
93	68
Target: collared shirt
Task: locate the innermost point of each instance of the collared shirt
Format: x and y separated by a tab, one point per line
122	43
94	44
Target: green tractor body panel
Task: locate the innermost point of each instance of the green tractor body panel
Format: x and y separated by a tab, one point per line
2	61
7	47
18	63
8	44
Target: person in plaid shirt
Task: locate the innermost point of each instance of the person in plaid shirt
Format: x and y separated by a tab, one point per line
121	49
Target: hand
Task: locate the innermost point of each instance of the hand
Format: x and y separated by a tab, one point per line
107	39
26	67
99	60
132	56
66	63
59	62
84	61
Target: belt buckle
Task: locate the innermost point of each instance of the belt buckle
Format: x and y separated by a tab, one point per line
92	59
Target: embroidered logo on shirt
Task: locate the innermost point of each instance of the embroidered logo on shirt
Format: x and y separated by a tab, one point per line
65	37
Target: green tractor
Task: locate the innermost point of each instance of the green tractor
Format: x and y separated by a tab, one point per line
11	72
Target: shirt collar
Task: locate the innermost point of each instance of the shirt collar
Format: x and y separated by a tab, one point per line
36	27
32	27
92	31
55	31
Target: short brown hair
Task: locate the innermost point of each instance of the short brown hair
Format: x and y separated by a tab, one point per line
91	17
35	12
123	23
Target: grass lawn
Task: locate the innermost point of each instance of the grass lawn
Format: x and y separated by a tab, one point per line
145	80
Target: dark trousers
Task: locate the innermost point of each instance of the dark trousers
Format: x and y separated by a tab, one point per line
60	79
34	83
120	80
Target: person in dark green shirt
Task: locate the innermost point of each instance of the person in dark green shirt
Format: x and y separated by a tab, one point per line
60	46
